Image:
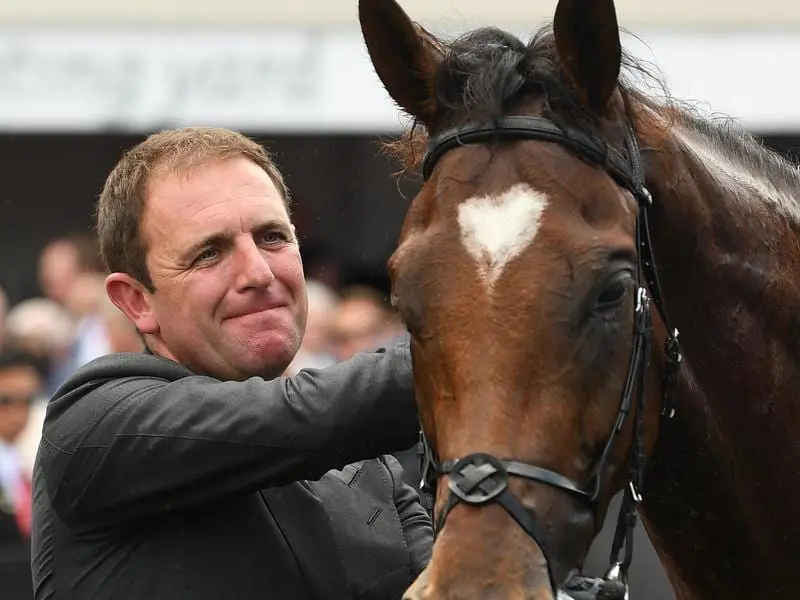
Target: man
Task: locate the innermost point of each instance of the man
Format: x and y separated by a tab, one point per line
315	351
45	329
20	384
188	471
64	259
122	335
3	314
362	322
71	274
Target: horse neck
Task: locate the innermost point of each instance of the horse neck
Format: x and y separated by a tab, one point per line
723	479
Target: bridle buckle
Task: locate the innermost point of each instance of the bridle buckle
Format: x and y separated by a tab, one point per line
637	497
616	575
478	478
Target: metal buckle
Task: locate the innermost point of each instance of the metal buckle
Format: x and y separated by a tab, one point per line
637	497
645	195
478	478
642	300
616	574
673	360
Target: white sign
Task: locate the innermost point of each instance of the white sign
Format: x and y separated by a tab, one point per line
320	81
276	81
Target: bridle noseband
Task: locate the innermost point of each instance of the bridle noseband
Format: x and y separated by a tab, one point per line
478	479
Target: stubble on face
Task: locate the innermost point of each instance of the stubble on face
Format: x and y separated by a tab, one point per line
207	232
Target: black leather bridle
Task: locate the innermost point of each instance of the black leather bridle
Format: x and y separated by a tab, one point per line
478	479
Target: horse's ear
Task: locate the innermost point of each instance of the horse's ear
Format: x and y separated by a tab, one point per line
404	55
587	39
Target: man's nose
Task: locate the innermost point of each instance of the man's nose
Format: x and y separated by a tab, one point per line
253	267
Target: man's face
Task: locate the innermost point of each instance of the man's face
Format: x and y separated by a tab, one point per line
19	385
358	325
230	297
58	266
3	314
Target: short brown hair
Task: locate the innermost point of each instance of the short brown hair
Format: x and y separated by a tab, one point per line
120	209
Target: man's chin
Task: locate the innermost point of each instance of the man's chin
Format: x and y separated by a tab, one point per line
268	361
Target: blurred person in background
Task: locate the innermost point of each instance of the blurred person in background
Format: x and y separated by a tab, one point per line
3	314
362	322
194	470
122	335
62	260
315	349
71	273
45	329
322	265
20	386
84	302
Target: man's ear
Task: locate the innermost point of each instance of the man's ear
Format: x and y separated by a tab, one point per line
134	300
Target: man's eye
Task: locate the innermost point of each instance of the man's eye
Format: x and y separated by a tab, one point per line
273	237
207	254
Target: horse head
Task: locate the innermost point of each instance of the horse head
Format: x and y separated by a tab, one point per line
523	277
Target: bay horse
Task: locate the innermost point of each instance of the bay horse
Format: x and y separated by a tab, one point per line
602	290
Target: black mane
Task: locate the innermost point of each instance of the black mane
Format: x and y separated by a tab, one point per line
488	73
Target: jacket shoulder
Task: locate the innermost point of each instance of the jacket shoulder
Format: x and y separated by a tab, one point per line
124	364
83	400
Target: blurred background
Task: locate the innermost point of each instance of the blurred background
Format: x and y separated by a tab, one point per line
82	81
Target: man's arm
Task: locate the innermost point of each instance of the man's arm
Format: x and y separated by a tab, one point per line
121	448
414	518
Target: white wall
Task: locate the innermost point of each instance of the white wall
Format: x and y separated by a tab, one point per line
300	65
295	80
715	13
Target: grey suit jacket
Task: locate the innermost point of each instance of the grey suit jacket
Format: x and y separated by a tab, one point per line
153	482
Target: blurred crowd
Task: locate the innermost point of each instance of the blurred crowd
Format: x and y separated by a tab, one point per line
44	339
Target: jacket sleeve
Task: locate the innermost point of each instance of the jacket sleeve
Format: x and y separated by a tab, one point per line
414	518
123	448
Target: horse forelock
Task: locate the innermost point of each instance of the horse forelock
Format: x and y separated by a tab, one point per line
488	73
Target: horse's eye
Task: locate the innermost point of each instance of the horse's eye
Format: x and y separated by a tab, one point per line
614	292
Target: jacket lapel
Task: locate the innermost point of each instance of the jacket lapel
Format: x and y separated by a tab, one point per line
300	514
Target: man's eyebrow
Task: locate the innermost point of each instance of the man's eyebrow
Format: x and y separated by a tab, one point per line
272	224
211	240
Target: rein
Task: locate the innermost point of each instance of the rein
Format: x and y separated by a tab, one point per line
478	479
